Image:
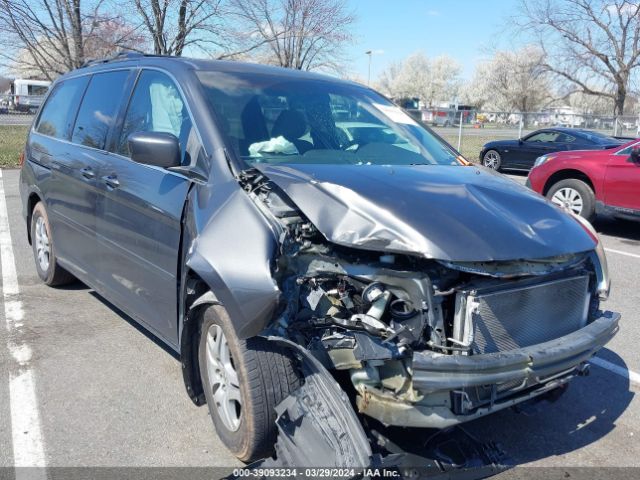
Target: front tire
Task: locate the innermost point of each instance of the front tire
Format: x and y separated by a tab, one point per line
492	159
43	248
574	195
243	381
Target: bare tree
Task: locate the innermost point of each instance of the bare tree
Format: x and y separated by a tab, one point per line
593	45
299	34
50	37
174	25
111	35
513	81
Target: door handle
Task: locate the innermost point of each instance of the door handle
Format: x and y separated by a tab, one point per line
111	181
87	172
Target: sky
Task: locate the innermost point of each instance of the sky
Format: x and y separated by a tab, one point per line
463	29
394	29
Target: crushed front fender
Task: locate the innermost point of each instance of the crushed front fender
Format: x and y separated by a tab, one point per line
319	434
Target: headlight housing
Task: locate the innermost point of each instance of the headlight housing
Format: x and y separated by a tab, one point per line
598	258
540	160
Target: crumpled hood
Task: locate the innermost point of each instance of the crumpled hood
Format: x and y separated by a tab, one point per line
442	212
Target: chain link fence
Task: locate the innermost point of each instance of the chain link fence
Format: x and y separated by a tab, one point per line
466	130
469	131
18	109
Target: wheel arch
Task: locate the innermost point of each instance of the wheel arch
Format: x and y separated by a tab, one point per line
566	174
494	148
228	251
198	297
32	201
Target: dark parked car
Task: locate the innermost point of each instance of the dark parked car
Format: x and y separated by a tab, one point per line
591	182
297	271
521	154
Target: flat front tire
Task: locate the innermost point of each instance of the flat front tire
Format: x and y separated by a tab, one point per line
243	381
44	252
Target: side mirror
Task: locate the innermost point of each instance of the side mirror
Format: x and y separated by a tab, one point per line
635	155
155	148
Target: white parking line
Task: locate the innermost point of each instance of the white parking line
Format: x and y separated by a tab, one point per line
612	367
28	448
620	252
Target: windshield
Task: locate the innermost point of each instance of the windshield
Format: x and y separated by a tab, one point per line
279	119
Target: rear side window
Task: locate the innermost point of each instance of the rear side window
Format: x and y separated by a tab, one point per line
99	108
565	138
157	106
58	113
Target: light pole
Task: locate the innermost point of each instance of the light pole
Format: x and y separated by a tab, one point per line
370	53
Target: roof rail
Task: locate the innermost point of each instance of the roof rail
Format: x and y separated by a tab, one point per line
125	55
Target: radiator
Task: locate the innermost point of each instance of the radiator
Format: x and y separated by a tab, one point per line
502	320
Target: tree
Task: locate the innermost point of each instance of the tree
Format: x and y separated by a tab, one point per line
593	45
387	80
444	78
430	80
174	25
299	34
52	37
51	31
511	81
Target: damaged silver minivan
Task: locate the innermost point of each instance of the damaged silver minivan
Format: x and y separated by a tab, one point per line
283	230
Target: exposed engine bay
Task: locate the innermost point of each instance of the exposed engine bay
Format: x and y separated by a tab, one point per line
419	342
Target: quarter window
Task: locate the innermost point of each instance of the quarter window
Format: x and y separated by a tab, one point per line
157	106
99	108
60	109
543	137
565	138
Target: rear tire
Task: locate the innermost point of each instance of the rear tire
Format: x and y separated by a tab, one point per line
253	376
575	195
44	252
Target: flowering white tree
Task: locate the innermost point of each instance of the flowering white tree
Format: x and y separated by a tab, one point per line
430	80
512	81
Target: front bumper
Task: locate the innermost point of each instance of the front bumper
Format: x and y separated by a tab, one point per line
445	381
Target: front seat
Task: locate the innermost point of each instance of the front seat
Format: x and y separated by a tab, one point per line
291	125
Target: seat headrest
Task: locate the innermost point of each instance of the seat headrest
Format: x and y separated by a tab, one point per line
290	124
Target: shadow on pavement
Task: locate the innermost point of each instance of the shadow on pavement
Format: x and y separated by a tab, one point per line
147	333
584	414
516	173
628	231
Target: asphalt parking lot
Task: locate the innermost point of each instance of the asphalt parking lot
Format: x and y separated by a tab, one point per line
82	385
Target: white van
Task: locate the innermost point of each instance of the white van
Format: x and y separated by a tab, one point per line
28	94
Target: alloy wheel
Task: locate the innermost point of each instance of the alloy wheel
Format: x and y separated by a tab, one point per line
492	160
223	378
569	199
43	245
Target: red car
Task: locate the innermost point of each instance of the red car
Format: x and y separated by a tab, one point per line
591	182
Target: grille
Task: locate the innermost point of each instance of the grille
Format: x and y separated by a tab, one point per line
520	317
